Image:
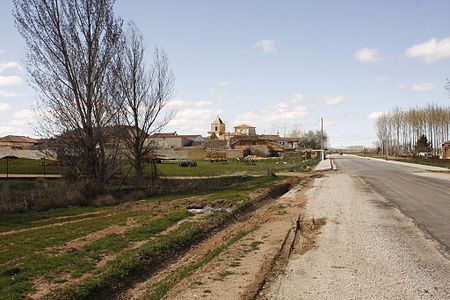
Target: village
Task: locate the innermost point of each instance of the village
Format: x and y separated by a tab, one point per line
219	145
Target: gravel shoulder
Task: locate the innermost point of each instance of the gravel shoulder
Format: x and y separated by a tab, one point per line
366	250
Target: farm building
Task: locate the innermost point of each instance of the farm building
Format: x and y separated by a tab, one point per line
446	150
173	140
19	142
244	129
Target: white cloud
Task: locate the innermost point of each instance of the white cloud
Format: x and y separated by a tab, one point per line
401	87
424	87
282	110
223	83
367	55
381	79
332	100
6	94
23	117
266	46
10	80
175	103
295	98
202	103
375	114
4	65
193	120
4	106
431	50
2	51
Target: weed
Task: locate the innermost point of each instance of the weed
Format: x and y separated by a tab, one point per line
234	264
223	275
255	245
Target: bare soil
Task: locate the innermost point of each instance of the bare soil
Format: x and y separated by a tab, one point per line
239	271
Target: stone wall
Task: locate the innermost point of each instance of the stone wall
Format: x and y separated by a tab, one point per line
23	153
183	153
233	153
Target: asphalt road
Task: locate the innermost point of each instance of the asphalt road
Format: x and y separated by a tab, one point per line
424	199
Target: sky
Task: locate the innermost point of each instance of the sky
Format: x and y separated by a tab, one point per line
276	65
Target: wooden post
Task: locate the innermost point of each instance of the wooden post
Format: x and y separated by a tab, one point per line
45	173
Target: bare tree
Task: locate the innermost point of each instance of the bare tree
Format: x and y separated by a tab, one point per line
312	139
144	93
399	131
72	48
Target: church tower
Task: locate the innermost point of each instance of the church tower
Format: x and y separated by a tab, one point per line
217	127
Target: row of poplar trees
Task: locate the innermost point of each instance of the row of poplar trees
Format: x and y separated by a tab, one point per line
403	132
98	99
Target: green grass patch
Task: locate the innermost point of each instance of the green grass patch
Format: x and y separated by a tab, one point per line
27	252
443	163
232	166
429	162
31	219
29	166
171	168
131	261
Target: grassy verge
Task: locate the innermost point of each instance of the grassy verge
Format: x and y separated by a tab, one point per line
443	163
429	162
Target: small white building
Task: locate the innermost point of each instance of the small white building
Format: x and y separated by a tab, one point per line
167	140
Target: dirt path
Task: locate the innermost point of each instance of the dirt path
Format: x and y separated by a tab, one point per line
238	271
366	250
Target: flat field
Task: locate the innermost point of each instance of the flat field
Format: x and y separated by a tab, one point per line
75	252
171	168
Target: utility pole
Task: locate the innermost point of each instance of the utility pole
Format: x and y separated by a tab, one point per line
322	152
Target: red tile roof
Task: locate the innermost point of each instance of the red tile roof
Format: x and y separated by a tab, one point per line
18	139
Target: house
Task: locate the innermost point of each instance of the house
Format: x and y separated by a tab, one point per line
290	143
446	150
244	129
19	142
255	144
196	138
167	140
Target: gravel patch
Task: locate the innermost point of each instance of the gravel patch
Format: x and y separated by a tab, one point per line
367	250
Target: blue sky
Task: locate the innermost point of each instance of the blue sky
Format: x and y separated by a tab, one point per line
274	64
